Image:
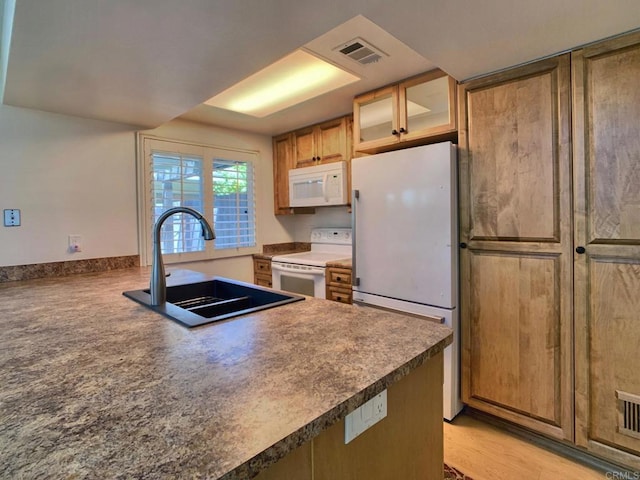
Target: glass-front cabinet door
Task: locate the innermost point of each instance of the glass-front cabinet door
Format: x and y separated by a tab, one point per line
412	110
375	118
427	106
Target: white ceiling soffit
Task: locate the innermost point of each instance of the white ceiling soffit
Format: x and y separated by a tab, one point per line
144	62
397	61
472	38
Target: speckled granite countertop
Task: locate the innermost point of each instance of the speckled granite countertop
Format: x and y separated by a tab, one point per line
269	251
346	263
94	385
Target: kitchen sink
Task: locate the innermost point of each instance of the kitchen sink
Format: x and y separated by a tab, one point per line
199	303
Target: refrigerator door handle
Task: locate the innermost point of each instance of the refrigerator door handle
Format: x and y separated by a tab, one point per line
355	196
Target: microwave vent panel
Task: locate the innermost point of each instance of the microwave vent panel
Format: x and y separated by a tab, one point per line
361	51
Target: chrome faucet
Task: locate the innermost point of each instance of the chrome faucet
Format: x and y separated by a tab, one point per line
158	284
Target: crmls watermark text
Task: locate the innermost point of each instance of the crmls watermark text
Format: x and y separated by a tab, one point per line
623	475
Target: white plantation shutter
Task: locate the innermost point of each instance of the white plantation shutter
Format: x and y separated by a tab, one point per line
233	204
177	182
218	183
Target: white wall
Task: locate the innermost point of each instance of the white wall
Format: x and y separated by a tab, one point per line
329	217
67	175
70	175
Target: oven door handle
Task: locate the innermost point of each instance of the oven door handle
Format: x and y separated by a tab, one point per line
307	270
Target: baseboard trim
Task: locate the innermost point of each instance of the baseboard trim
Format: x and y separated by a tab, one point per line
16	273
564	449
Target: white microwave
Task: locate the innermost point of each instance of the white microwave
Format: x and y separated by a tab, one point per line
318	185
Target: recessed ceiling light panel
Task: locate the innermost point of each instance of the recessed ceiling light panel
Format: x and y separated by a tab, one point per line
293	79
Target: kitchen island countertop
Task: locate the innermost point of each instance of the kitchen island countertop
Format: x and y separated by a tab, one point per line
96	386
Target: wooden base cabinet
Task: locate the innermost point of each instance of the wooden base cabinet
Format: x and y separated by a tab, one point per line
338	281
606	106
550	298
262	272
407	444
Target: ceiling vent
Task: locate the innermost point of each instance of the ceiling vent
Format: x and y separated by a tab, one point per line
360	51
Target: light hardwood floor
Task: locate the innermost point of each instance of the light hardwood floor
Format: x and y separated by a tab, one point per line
485	452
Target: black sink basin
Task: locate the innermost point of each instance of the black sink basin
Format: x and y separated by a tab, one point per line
198	303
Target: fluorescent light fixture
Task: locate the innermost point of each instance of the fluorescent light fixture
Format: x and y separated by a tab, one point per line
293	79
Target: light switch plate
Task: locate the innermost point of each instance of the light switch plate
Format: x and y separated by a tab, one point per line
11	217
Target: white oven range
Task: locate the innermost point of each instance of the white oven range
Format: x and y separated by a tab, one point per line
304	272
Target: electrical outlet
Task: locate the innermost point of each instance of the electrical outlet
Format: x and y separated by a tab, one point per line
365	416
75	243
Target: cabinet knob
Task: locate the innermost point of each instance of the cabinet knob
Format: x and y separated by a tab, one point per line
403	130
580	250
394	132
338	279
463	245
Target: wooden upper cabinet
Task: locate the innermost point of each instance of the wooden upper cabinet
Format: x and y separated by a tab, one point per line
606	116
323	143
375	119
282	163
515	219
411	113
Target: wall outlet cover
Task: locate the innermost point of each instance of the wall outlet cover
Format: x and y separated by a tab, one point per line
365	416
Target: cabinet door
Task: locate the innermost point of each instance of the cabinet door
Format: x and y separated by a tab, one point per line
282	163
427	106
375	119
516	290
607	275
305	147
332	143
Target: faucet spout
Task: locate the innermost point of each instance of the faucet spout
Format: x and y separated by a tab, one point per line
158	283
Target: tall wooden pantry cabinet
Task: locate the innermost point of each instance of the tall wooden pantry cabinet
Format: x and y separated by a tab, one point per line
550	218
516	293
606	151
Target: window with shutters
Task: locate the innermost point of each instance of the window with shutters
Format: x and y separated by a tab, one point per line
214	181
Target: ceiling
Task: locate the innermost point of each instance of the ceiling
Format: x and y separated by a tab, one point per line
145	62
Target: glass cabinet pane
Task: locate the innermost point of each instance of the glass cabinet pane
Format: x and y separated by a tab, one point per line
376	118
428	104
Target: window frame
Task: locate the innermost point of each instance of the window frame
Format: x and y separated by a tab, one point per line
146	145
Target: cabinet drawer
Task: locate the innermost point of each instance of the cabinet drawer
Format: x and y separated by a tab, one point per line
263	280
340	276
337	294
261	266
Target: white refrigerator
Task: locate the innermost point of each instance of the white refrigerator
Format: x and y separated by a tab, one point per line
405	241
